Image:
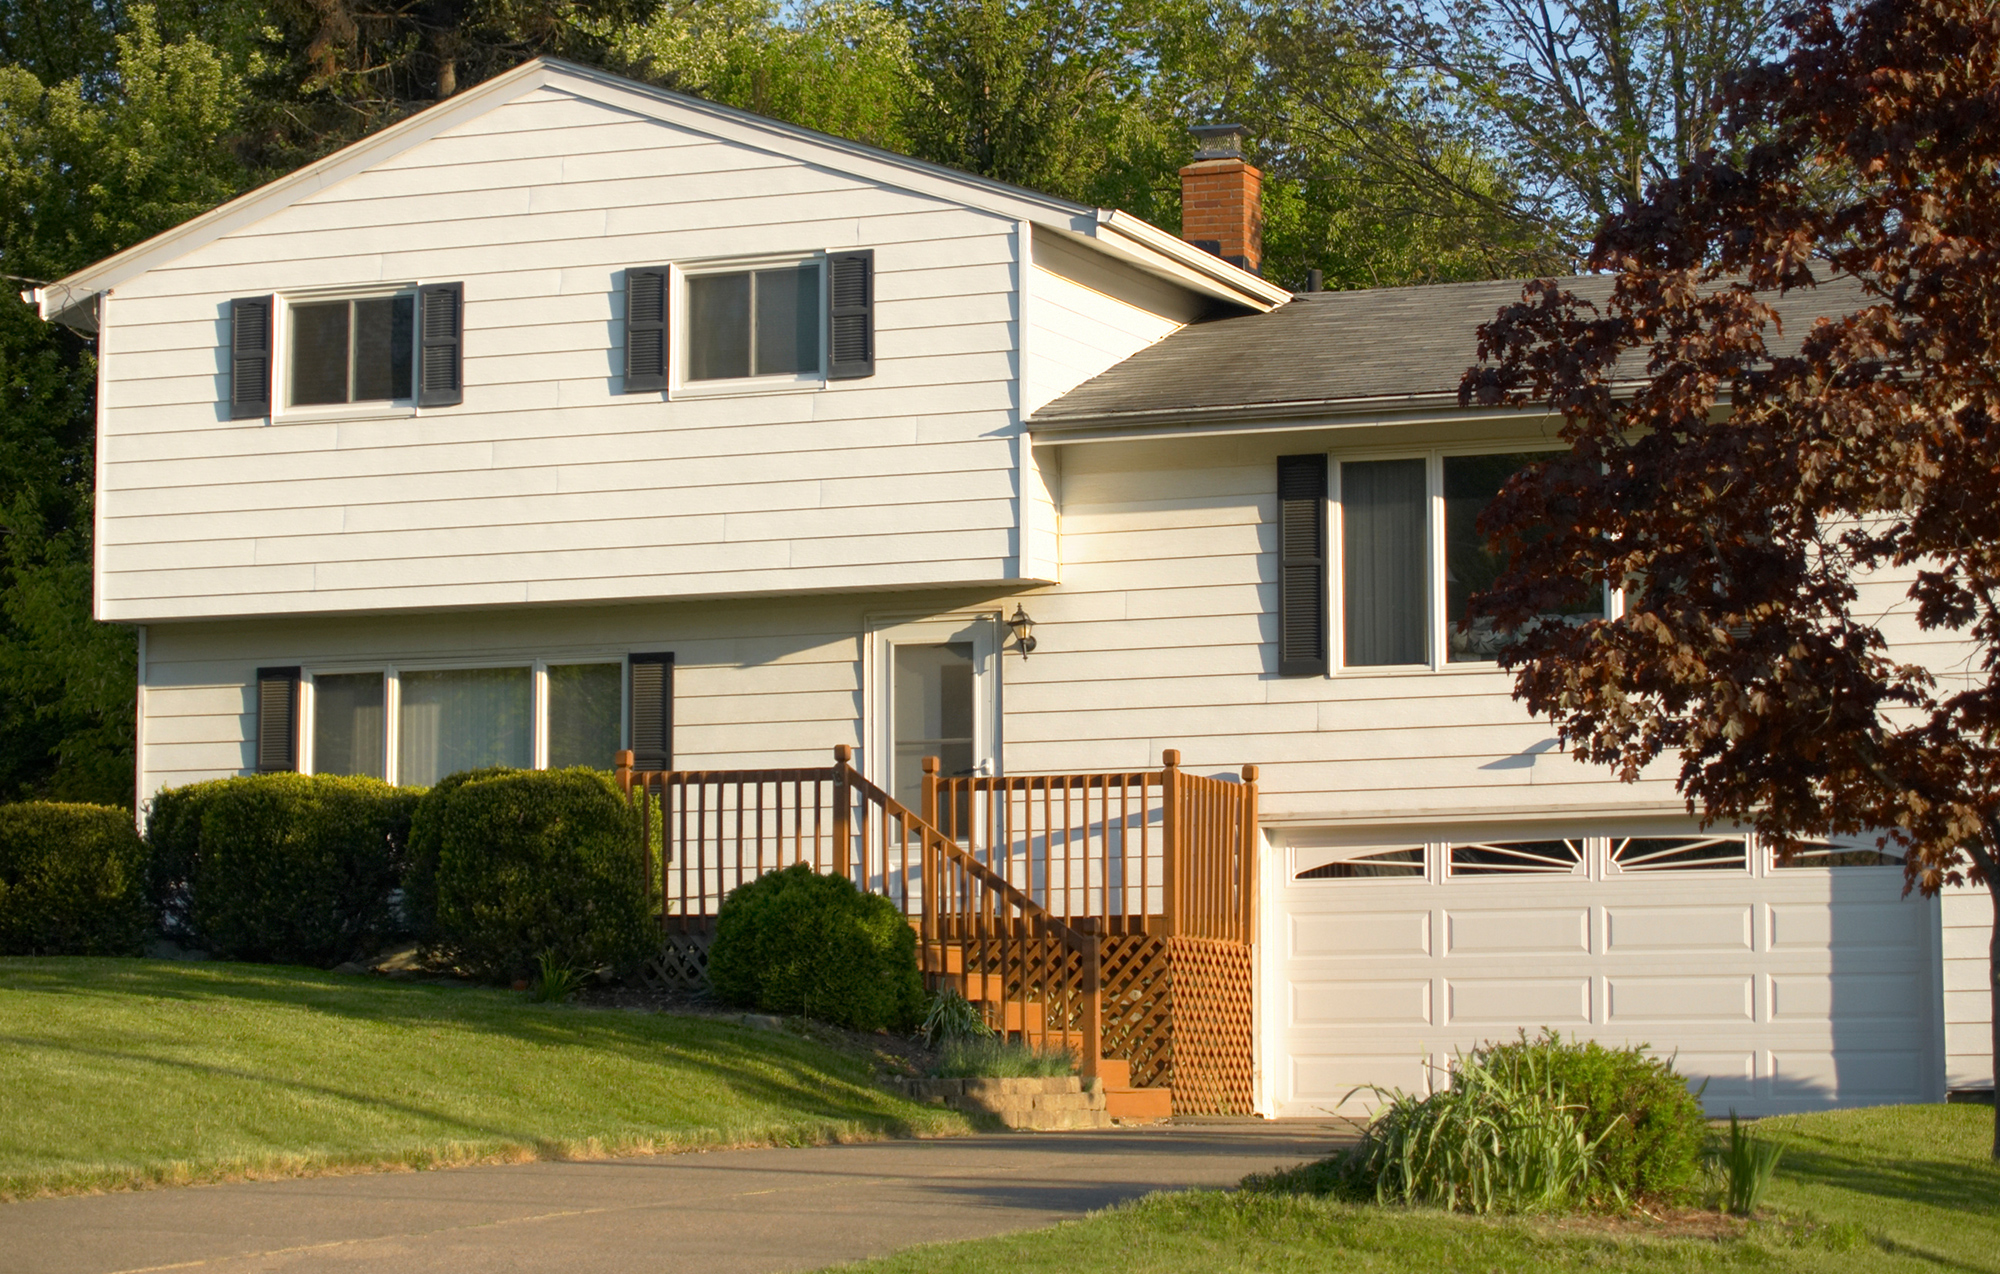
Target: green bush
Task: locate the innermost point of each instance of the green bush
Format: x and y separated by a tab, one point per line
1649	1128
794	941
72	881
532	863
283	868
426	837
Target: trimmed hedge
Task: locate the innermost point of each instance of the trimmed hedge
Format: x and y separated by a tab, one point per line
1653	1127
282	868
420	888
516	863
72	881
794	941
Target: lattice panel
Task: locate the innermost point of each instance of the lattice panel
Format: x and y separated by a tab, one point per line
1211	1072
1139	1007
682	963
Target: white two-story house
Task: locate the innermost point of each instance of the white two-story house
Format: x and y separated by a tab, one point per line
572	415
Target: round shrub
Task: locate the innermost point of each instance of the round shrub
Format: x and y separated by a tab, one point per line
794	941
72	881
529	862
1652	1127
284	868
426	838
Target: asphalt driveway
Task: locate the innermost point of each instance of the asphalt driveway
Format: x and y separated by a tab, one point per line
722	1213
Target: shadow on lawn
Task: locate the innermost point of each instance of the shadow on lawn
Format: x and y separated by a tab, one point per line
1955	1186
793	1076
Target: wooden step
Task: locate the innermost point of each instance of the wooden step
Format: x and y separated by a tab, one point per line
1123	1102
1116	1072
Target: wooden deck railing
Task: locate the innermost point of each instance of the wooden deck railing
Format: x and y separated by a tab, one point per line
1014	884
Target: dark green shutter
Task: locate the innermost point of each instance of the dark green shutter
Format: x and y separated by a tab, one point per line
646	331
441	351
277	720
1302	566
250	357
652	711
850	315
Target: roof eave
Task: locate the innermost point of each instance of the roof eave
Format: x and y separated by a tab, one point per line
1168	422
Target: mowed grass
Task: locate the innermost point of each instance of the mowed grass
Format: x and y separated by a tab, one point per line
124	1073
1900	1188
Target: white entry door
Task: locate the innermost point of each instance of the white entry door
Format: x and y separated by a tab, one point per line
1781	988
936	691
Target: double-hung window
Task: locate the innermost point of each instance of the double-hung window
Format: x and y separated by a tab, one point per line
1410	557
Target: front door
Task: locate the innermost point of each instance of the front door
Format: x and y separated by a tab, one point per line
936	690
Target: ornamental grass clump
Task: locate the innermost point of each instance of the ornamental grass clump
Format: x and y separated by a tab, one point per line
993	1057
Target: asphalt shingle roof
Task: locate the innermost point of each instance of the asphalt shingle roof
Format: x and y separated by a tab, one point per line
1331	348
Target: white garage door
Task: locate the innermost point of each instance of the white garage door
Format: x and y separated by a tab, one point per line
1785	988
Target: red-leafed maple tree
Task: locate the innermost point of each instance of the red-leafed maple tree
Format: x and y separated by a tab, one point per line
1760	500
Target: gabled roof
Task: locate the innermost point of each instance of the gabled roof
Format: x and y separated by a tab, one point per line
1339	353
72	300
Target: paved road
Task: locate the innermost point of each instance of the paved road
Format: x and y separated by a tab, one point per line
721	1213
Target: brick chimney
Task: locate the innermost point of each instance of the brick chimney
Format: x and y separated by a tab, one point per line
1221	204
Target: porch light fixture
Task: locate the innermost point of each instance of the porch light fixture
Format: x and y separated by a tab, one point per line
1023	629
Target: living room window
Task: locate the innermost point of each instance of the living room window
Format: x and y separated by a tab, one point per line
1411	556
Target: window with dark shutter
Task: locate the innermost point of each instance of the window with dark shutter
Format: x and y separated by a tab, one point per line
441	351
652	711
645	331
250	357
850	315
277	719
1301	565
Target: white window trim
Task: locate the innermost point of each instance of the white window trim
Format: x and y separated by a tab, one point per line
1437	637
282	411
392	701
678	383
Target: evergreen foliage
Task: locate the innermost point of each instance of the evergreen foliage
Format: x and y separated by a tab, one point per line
796	941
72	881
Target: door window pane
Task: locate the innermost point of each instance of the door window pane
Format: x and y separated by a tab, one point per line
718	326
1382	554
347	724
933	714
462	719
787	303
584	724
1470	483
319	353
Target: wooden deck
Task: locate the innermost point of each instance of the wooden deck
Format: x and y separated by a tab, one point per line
1112	914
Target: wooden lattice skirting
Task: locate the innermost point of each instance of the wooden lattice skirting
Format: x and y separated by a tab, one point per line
682	964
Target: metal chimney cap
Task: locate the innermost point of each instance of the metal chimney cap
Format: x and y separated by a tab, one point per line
1220	141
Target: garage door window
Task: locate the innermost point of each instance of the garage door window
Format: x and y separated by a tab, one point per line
1680	853
1518	858
1824	854
1371	864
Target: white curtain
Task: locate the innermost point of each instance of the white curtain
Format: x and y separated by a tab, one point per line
463	719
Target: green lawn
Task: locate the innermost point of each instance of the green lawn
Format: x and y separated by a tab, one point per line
1901	1188
119	1073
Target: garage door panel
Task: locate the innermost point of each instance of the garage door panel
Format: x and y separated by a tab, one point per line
1854	998
1325	1083
1850	925
1517	931
1372	933
1642	930
1375	1002
1850	1076
1719	1075
1633	999
1513	1002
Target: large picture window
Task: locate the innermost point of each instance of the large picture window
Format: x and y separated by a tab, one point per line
463	719
1411	557
754	323
352	351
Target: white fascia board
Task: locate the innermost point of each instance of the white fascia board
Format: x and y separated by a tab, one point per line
66	300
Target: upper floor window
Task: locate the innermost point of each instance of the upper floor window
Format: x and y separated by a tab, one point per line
729	325
1411	557
754	323
357	350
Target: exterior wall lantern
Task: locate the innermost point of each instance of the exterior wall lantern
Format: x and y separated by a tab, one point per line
1023	629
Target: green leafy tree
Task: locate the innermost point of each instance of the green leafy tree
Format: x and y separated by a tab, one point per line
1754	508
88	166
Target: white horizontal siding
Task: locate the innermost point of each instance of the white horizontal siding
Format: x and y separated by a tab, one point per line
1088	314
548	484
1966	920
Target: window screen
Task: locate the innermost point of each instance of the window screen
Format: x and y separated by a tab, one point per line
756	323
584	725
352	351
1470	483
1382	563
347	724
462	719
